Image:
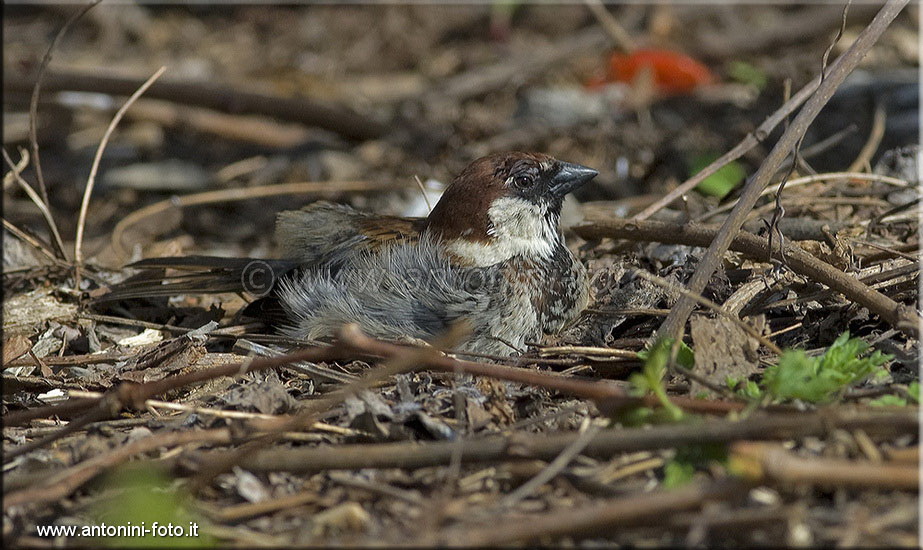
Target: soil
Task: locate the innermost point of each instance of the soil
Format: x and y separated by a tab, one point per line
358	104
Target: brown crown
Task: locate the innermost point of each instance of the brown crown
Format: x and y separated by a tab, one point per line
462	211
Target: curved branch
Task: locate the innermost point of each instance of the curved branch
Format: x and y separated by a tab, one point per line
898	315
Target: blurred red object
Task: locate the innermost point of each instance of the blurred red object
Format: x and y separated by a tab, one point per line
673	73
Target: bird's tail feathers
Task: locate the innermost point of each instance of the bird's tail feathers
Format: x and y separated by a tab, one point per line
172	276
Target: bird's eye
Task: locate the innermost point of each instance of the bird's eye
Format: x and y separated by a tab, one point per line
523	182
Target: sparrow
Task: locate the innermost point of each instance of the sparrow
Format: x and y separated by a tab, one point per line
490	253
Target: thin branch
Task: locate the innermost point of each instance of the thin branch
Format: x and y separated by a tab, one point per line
871	145
898	315
238	512
588	519
589	350
102	409
231	195
607	396
353	344
806	180
720	310
15	174
220	413
415	359
345	122
134	395
36	90
762	462
31	241
79	360
587	434
891	251
752	140
64	483
675	323
619	35
91	180
429	206
547	446
797	159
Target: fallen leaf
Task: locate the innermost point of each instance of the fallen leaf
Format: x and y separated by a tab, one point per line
722	350
15	347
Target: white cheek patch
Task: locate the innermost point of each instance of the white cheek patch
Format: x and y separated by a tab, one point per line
519	228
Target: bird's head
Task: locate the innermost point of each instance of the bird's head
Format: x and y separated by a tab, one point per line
504	205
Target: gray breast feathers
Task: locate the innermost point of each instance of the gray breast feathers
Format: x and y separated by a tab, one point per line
401	290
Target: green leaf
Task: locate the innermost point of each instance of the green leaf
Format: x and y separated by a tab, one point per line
635	417
752	390
888	401
745	73
650	379
685	357
722	182
819	379
639	384
677	473
147	498
681	468
896	400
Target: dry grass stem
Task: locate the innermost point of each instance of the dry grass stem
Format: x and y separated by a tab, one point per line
871	145
91	180
15	175
233	195
660	281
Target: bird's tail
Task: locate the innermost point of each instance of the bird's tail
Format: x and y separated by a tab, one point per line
199	275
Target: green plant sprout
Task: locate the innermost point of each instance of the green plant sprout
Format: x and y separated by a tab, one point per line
650	379
816	379
913	393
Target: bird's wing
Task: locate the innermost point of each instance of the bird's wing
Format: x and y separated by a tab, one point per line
402	290
322	235
328	233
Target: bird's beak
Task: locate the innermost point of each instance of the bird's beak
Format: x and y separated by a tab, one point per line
570	177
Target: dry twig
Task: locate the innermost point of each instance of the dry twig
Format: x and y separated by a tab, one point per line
592	518
32	241
15	175
752	140
310	412
746	327
813	178
345	122
897	315
71	479
761	462
675	322
545	446
36	90
612	27
874	140
232	195
587	433
91	180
